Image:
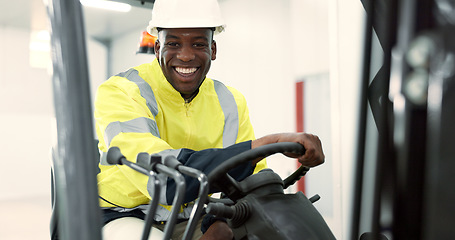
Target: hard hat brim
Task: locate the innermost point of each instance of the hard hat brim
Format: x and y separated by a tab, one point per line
153	30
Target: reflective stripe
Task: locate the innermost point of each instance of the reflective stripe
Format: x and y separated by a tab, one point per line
145	89
231	115
169	152
137	125
163	214
161	177
103	158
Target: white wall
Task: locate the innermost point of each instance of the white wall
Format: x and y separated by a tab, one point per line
97	54
27	128
26	113
123	51
25	119
346	46
254	57
310	59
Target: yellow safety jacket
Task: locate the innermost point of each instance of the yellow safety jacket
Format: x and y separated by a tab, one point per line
139	111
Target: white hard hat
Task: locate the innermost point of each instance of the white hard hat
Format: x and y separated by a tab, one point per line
186	14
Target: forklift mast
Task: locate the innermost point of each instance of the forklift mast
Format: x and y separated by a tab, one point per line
411	99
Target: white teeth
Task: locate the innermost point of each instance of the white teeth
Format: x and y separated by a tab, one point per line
185	70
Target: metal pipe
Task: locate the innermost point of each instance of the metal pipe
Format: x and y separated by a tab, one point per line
384	187
199	204
178	197
360	155
153	206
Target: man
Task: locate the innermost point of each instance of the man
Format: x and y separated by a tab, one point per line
170	107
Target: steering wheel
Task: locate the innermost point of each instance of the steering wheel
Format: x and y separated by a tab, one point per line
220	179
258	207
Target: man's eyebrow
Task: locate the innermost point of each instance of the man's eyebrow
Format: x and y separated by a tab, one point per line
201	38
172	37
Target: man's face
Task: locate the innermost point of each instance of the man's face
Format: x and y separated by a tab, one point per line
185	55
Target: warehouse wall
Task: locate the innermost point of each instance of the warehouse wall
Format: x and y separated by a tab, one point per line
27	132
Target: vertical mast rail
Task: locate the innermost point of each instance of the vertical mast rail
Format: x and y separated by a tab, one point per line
75	166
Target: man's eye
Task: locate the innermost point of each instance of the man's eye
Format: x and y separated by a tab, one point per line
200	45
172	44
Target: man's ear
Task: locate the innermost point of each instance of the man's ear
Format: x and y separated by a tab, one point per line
157	48
213	50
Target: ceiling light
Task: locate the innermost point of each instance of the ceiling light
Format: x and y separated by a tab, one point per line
40	48
107	5
40	41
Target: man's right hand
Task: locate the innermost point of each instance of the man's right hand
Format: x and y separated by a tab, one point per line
314	154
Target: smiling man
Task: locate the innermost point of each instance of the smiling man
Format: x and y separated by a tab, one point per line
170	107
185	57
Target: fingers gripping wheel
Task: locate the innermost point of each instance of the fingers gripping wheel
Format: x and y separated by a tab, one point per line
221	180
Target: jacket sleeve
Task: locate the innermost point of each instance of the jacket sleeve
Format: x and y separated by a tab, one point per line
124	120
211	158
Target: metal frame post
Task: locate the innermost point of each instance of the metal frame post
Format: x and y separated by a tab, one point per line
79	212
438	200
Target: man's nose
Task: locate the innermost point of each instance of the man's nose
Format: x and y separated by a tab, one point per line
186	54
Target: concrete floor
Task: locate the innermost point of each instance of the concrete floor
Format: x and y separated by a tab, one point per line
25	218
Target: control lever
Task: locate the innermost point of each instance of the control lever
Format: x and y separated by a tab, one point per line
145	161
146	166
296	176
172	162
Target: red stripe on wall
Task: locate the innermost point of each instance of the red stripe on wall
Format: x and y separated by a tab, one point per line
299	105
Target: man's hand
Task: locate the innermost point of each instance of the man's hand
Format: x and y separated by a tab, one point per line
314	154
219	230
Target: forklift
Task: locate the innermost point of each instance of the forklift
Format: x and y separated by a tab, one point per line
411	197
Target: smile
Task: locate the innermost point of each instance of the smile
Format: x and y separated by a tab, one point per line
185	71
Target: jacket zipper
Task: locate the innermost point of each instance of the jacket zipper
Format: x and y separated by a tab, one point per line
187	108
187	105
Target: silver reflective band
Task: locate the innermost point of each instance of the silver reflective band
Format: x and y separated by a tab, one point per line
163	178
162	214
103	158
145	89
137	125
231	115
